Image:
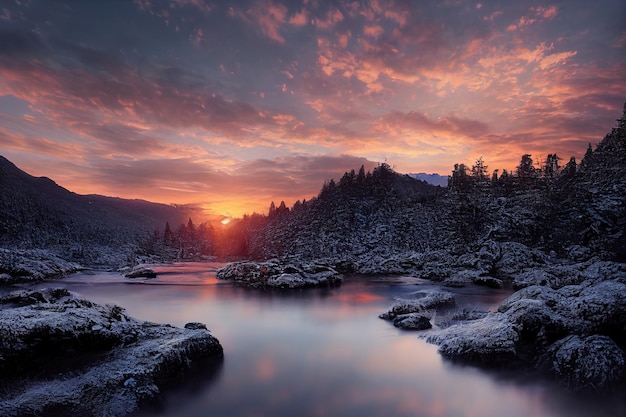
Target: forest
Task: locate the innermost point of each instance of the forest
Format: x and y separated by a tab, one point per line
541	203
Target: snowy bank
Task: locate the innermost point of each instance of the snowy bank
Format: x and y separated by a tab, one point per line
574	331
280	274
64	355
20	265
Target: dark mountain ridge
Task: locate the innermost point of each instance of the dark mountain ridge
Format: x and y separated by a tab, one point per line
35	212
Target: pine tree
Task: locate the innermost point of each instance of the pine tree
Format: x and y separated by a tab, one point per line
526	171
459	179
479	172
168	236
570	168
360	179
551	166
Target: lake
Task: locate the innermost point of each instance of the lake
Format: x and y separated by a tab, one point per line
322	352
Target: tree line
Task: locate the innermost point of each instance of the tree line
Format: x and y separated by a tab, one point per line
527	175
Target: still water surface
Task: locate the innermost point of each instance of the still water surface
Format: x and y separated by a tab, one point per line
321	352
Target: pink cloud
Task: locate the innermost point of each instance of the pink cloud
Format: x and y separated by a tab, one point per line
81	97
300	18
537	15
400	17
26	143
373	30
493	16
396	120
268	16
547	12
333	16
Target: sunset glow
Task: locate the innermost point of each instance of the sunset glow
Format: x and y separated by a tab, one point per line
230	105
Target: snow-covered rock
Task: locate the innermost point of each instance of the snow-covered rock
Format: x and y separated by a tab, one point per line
585	362
424	301
413	321
280	274
490	341
459	279
105	363
488	281
532	277
532	324
504	259
20	265
141	271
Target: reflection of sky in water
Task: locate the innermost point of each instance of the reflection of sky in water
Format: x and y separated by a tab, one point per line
319	352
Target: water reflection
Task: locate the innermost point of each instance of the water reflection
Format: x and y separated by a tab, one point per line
321	352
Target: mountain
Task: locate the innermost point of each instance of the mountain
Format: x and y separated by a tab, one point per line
35	212
433	179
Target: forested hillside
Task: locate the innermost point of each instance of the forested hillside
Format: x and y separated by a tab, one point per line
38	213
575	210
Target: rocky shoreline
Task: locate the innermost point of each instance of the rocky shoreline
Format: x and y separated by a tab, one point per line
64	355
567	319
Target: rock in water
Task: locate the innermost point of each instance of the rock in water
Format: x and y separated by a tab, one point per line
141	272
488	341
425	301
413	321
280	274
64	354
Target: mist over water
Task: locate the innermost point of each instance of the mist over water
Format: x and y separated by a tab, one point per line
321	352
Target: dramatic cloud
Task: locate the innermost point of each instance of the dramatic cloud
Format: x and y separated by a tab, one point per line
233	104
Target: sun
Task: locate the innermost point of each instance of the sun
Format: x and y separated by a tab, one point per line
225	220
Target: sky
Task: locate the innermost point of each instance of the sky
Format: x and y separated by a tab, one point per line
229	105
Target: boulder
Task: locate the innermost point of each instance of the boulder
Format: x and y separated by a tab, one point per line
487	281
489	341
516	257
64	355
141	272
424	301
413	321
461	278
580	363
